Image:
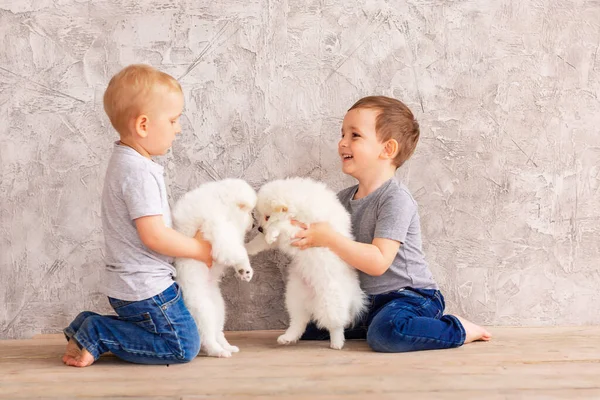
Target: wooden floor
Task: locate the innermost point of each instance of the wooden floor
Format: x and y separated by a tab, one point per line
520	363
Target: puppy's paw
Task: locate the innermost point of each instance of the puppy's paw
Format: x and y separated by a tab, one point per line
336	345
233	349
244	272
271	236
219	354
286	339
216	351
230	256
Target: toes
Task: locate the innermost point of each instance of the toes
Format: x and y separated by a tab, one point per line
76	362
70	362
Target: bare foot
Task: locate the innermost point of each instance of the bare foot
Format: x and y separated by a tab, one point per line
474	332
75	357
71	351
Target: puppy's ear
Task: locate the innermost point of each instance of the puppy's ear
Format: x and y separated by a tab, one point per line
281	209
245	207
278	207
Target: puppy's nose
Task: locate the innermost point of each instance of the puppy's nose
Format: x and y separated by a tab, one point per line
260	229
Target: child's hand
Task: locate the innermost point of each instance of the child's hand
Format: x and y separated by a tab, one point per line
315	235
205	255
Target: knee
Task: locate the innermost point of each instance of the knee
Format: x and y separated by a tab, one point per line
191	347
83	316
386	336
90	325
378	337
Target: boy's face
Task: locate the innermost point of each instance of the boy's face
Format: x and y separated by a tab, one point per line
359	147
163	121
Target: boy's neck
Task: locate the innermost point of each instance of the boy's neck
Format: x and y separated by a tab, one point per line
369	184
129	142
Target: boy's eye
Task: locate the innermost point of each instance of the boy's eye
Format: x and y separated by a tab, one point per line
354	135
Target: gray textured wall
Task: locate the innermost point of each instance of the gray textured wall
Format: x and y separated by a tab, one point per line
507	173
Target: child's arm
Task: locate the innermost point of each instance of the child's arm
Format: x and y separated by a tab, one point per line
164	240
372	259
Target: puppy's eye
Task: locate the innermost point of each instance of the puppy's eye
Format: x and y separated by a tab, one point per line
266	217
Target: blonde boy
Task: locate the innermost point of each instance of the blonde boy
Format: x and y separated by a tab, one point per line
152	325
406	311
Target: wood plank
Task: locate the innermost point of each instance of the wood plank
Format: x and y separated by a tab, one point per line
545	363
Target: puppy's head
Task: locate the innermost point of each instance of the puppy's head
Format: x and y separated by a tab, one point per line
275	203
242	198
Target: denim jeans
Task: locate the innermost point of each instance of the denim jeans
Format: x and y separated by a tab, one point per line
158	330
404	320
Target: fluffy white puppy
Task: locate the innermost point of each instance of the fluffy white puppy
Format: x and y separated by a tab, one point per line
222	210
320	285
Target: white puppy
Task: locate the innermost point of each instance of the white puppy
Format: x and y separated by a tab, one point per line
320	285
222	210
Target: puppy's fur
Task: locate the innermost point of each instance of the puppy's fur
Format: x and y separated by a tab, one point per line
222	210
320	285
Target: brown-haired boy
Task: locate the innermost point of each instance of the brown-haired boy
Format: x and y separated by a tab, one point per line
406	308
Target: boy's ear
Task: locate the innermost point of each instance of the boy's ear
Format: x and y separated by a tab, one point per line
141	126
390	149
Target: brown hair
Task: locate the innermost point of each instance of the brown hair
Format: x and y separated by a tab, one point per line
394	121
128	93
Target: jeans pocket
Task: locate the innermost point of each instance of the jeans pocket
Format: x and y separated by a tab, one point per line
143	320
116	303
412	293
171	296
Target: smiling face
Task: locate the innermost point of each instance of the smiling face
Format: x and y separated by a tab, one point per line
359	147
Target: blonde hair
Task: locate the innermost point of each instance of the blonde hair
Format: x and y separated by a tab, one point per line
394	121
128	92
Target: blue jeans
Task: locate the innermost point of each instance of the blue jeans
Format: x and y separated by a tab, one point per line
404	320
158	330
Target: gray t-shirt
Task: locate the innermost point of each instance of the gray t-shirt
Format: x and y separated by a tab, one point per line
390	212
134	187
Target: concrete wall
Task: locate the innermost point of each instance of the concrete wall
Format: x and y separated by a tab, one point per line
507	173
